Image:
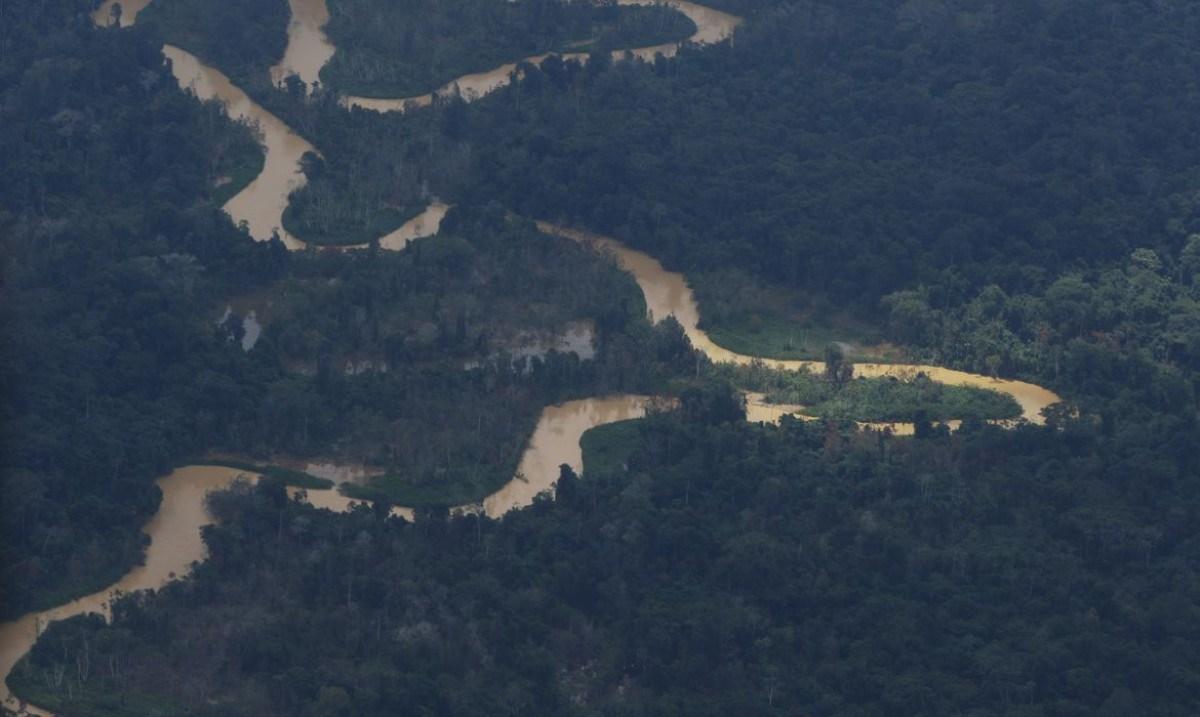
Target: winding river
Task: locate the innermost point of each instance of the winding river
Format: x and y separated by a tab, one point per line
174	531
668	294
711	26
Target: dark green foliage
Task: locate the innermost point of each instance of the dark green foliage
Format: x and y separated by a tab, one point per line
1011	183
607	448
388	49
859	152
441	406
721	569
239	38
284	476
856	148
113	253
366	182
874	399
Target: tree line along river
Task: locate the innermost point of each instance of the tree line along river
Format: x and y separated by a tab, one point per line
174	531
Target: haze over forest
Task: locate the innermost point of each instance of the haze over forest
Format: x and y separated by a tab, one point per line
600	357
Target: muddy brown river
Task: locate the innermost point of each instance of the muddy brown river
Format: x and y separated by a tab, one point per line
174	531
129	11
668	293
308	49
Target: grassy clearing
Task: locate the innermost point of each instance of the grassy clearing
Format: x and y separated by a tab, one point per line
240	172
606	448
875	399
288	476
744	315
778	337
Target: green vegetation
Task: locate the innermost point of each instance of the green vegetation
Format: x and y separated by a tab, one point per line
750	316
240	38
415	319
101	704
320	219
388	49
287	476
884	159
118	262
241	170
875	399
606	449
733	569
114	253
1007	188
401	490
454	297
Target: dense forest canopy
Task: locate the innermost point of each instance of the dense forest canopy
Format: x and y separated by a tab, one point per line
388	49
113	251
241	38
118	264
729	569
986	183
856	148
1009	188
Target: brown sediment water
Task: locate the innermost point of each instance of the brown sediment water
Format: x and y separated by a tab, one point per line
174	531
175	544
555	442
711	26
668	294
260	205
758	410
129	11
423	225
262	202
308	49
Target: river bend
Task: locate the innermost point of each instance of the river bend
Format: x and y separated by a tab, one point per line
174	531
